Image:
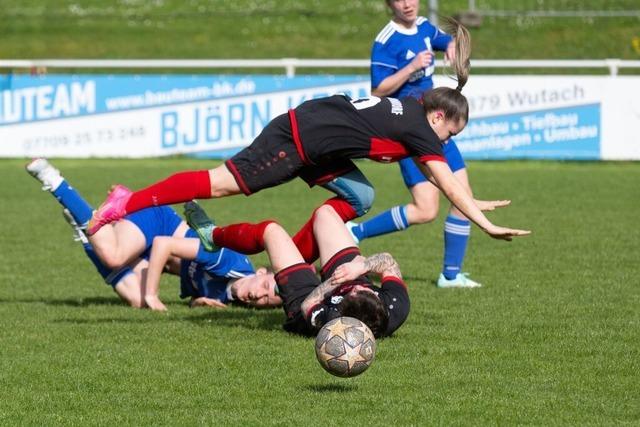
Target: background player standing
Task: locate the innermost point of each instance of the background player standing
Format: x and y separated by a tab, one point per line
402	64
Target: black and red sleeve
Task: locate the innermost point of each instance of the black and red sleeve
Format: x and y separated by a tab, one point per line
395	296
295	283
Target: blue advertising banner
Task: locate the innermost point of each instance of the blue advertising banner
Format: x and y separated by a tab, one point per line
537	117
33	98
149	115
560	133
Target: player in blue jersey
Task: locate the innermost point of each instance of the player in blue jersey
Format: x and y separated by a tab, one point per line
206	278
402	65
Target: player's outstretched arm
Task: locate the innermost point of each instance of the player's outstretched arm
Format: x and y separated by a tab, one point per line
483	205
162	249
451	188
491	205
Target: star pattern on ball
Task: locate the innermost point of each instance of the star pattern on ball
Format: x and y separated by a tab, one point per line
352	355
339	329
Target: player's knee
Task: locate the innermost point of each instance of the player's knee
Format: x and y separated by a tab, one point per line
136	303
424	214
112	260
326	212
272	229
363	200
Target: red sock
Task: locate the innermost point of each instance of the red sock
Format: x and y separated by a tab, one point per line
306	241
343	208
244	237
180	187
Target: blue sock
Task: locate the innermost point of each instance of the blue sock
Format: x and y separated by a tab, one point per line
394	219
102	269
71	199
456	237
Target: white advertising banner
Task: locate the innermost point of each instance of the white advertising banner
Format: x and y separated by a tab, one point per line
552	117
539	117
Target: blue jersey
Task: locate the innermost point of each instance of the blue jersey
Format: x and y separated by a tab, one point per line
395	47
210	273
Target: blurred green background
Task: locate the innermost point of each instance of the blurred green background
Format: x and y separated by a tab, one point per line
288	28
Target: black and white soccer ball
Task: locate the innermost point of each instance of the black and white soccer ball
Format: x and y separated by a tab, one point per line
345	347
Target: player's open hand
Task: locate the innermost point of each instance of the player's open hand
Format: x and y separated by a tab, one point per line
349	271
490	205
154	303
503	233
206	302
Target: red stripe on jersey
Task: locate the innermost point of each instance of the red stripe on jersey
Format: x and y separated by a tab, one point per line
330	176
393	279
338	255
424	159
387	150
234	171
293	268
296	136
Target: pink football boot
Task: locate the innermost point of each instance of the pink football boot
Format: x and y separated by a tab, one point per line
111	210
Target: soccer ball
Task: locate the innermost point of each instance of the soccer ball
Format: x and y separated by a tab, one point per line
345	347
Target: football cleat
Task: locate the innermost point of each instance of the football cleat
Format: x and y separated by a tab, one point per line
350	226
41	169
78	231
111	210
460	281
200	223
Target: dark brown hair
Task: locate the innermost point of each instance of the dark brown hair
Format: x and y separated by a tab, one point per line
369	309
451	102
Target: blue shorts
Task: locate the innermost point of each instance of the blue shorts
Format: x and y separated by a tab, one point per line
156	221
412	175
117	275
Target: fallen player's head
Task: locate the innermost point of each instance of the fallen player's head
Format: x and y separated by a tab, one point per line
362	303
257	290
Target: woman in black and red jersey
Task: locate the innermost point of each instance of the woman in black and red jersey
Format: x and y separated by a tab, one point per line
316	141
343	288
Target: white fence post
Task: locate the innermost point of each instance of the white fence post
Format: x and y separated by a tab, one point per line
433	11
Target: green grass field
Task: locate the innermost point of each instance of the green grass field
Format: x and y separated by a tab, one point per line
287	28
551	339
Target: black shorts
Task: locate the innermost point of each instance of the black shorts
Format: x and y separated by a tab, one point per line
273	159
295	283
270	160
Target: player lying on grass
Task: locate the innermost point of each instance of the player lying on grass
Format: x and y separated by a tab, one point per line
308	303
207	278
316	141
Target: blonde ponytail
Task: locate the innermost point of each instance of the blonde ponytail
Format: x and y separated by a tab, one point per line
462	39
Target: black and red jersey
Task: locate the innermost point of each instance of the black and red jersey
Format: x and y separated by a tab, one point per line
381	129
392	291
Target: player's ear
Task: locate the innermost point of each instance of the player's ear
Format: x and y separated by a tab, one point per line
261	270
434	117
